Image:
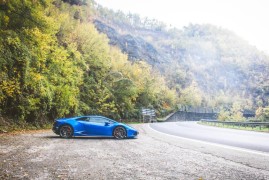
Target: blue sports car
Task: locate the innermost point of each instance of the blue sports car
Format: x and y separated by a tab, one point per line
92	126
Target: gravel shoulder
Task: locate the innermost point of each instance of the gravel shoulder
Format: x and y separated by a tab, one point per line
43	155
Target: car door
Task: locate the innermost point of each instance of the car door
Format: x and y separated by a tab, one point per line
85	126
99	126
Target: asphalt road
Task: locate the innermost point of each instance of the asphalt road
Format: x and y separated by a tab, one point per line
257	141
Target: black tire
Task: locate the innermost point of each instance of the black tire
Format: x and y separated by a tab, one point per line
66	131
119	132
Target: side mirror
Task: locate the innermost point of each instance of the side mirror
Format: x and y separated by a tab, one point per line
107	123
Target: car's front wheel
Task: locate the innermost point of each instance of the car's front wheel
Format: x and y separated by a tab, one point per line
119	132
66	131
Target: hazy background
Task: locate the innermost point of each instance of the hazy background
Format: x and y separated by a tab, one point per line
247	18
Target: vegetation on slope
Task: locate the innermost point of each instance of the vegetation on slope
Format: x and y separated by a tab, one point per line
207	65
54	63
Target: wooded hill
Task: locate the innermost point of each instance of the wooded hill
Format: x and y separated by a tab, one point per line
55	63
207	65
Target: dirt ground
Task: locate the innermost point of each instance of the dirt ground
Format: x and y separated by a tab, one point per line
43	155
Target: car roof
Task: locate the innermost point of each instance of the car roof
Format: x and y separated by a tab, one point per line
94	116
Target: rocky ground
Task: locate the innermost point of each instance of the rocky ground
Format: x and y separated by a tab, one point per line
43	155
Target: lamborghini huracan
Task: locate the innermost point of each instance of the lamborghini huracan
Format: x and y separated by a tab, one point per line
92	126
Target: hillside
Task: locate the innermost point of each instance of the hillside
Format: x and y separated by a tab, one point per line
64	58
54	63
209	66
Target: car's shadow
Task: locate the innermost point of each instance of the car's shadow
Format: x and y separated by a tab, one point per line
87	137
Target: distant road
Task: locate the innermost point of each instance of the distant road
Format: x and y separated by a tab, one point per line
237	138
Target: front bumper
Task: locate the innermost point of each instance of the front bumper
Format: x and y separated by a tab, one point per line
55	129
132	133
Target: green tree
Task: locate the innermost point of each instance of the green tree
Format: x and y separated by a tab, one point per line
224	115
191	96
262	114
237	112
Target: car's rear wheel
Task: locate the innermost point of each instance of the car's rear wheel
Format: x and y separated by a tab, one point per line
119	132
66	131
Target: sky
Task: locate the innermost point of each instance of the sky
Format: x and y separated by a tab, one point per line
249	19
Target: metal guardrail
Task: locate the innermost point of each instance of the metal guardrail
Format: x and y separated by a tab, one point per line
235	123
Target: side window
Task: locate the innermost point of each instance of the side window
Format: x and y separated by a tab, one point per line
108	120
97	120
83	119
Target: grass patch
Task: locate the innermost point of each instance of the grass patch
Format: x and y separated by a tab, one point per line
247	128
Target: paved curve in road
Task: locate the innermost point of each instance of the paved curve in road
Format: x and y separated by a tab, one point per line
257	141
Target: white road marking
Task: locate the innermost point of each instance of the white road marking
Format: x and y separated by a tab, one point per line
215	144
